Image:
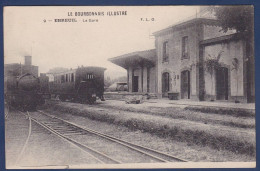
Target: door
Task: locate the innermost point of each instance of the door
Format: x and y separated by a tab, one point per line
185	84
165	84
222	83
135	83
148	80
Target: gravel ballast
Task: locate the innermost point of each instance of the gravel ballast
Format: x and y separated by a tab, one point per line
167	145
237	140
43	149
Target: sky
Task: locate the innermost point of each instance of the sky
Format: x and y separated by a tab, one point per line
72	44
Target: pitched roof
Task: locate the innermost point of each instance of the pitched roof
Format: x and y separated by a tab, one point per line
187	23
234	36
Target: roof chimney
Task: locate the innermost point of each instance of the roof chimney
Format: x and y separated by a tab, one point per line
27	60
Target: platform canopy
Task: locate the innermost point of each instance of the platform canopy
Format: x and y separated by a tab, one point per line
139	58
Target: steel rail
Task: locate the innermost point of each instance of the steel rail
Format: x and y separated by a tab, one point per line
163	157
27	139
102	157
95	154
66	133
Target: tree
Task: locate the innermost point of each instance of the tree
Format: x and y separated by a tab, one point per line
240	18
211	65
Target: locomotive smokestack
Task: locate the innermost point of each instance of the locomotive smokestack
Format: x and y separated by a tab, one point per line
27	60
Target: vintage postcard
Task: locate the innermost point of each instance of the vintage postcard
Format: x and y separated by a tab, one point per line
129	87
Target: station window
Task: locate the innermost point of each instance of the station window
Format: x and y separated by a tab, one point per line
165	52
185	48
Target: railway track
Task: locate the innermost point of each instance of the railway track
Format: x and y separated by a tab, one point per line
71	131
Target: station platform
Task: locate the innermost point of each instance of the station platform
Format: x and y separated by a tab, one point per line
182	103
223	104
201	106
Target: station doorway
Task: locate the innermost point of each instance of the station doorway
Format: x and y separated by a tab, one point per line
185	84
222	83
135	83
165	84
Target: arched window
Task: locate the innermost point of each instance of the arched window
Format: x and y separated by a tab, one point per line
165	82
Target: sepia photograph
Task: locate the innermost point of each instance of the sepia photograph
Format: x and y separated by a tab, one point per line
108	87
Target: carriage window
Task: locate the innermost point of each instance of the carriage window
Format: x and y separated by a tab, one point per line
66	76
90	76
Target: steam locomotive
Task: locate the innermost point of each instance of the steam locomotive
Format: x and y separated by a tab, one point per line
22	85
22	91
82	85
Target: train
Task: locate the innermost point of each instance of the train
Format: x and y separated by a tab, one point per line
22	91
82	85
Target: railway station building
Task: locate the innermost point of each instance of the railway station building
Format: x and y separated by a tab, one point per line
179	66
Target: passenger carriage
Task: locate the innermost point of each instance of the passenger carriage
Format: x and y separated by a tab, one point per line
83	84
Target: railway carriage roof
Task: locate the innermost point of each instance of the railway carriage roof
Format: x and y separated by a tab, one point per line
74	70
64	72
